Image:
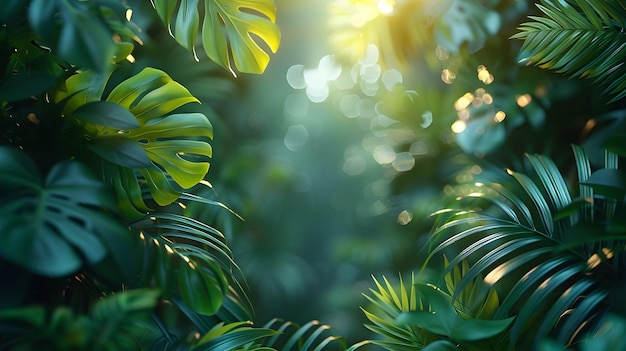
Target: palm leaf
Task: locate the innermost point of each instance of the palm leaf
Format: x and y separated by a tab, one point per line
312	336
549	259
422	316
232	336
229	30
197	257
586	41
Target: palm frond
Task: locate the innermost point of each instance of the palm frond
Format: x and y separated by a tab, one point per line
558	264
422	316
584	41
312	336
232	336
194	253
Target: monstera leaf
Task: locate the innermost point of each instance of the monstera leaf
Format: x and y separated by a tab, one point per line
139	141
229	30
53	226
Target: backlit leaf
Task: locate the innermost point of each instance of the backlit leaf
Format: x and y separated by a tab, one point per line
135	126
236	34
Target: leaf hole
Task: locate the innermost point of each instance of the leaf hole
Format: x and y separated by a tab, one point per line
253	12
260	42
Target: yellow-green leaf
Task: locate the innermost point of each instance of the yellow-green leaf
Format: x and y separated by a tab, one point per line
237	34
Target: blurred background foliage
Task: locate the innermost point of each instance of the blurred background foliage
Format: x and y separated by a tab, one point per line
367	120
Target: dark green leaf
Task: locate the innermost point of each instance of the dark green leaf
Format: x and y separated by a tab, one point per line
199	290
106	114
608	182
441	345
52	227
234	339
12	11
25	84
477	329
121	151
616	144
78	36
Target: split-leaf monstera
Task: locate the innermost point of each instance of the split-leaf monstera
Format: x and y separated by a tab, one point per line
139	138
52	226
229	30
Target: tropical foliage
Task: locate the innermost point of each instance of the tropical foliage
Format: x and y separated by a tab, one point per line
549	245
584	42
94	152
113	236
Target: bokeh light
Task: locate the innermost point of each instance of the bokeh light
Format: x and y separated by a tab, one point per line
458	126
385	6
296	137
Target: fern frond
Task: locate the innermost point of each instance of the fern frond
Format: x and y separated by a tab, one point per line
586	41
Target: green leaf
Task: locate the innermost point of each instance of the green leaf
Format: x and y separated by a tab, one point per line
121	151
78	35
150	94
236	34
81	89
608	182
233	339
25	84
166	144
199	290
106	114
558	288
479	329
441	345
184	250
586	44
616	144
135	127
125	304
54	226
441	318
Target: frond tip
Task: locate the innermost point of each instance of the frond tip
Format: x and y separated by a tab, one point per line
584	39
